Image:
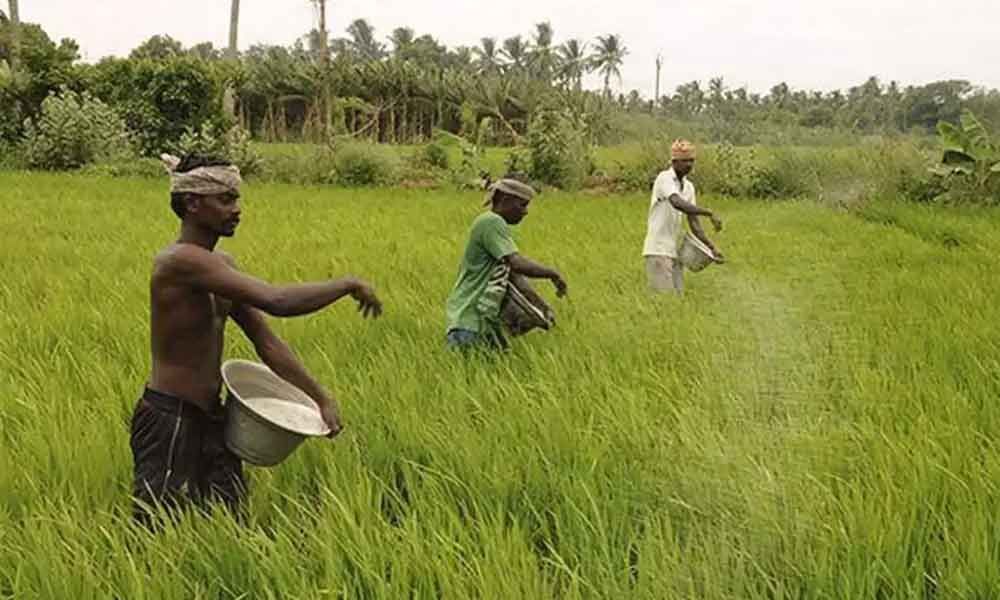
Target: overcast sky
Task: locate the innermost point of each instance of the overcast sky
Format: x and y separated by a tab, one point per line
814	44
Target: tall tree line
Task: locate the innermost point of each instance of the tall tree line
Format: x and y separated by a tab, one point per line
401	86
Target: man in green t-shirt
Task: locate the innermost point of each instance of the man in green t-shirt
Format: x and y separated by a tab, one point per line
473	310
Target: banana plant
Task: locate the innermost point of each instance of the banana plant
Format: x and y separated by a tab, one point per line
6	75
969	152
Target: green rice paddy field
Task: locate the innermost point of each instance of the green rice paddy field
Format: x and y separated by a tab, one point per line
819	418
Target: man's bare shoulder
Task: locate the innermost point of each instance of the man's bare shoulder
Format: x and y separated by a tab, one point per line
185	258
227	257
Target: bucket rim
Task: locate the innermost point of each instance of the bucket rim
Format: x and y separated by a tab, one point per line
226	365
699	245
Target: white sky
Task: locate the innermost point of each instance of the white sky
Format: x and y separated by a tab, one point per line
813	44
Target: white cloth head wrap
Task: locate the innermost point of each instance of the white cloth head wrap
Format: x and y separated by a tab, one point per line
205	181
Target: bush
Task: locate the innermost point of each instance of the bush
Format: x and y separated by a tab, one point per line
74	130
747	172
435	155
518	161
45	68
639	170
898	169
234	146
792	173
297	164
560	152
735	170
362	164
160	100
11	116
9	156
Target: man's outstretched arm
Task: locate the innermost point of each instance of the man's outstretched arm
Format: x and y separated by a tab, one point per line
529	268
215	273
693	209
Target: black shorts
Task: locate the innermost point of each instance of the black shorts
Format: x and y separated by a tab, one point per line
180	457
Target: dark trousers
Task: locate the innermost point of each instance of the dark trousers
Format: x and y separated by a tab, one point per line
180	457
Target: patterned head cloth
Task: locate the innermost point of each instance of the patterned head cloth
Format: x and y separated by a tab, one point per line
205	181
509	186
682	150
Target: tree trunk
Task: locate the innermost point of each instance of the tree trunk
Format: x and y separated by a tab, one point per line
229	94
309	123
15	23
392	126
324	55
404	125
659	64
269	126
234	28
324	59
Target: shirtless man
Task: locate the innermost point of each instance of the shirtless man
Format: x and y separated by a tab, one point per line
177	429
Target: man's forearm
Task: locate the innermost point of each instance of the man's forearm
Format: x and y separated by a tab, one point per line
529	268
699	233
278	356
688	208
304	298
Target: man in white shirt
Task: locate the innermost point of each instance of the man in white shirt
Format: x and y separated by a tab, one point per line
673	197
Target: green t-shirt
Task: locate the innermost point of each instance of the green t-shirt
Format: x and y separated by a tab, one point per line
474	302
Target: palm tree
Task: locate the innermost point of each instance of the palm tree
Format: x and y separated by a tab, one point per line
234	28
15	22
487	56
461	58
690	98
495	97
608	58
542	57
543	34
572	57
516	51
363	40
401	40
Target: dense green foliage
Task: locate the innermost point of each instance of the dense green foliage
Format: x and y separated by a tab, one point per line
233	145
970	166
404	92
73	130
559	149
523	93
159	100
